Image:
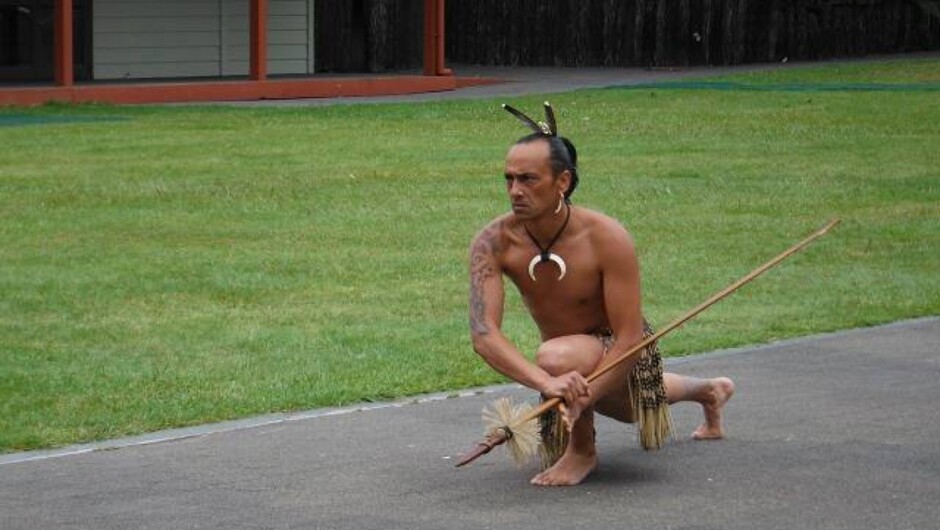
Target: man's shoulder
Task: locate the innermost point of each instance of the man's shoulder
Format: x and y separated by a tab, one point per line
601	223
495	226
596	215
493	234
605	230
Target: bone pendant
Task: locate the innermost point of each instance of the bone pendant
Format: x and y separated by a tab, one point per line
551	257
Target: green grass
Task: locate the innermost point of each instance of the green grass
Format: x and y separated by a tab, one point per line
922	70
193	264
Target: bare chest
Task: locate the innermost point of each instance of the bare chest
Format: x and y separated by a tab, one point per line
559	305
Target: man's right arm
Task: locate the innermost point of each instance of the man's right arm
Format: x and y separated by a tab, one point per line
486	313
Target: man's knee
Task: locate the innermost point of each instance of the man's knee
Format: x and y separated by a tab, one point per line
553	359
562	355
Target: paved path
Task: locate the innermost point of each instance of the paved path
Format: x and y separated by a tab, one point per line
521	81
837	431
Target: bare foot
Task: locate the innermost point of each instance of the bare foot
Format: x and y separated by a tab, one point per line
720	391
572	468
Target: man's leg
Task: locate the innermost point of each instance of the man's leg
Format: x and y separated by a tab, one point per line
712	394
581	353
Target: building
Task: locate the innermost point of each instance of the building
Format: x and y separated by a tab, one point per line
132	51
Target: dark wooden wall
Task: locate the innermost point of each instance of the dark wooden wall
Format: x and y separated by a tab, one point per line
683	32
383	35
368	35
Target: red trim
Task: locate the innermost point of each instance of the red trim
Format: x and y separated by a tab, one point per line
430	61
259	39
466	82
64	70
132	93
439	40
434	38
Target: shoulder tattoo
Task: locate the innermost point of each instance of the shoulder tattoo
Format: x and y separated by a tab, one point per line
484	249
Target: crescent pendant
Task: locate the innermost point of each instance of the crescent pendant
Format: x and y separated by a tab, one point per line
555	258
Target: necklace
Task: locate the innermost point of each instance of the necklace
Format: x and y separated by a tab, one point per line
545	254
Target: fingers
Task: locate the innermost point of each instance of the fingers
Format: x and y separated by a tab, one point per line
566	417
572	413
578	386
569	387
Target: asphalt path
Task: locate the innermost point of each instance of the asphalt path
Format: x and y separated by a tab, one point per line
836	431
518	81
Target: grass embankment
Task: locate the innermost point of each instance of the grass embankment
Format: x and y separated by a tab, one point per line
194	264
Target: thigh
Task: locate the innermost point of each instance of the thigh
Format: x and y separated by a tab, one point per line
614	394
579	353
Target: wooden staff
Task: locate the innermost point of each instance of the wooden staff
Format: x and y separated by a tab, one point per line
505	433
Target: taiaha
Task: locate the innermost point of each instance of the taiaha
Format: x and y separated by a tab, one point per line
517	425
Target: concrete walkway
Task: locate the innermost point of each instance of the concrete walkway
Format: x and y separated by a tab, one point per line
521	81
838	431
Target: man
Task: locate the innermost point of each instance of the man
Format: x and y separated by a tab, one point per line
578	275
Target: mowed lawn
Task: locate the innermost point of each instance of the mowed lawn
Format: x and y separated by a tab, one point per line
167	266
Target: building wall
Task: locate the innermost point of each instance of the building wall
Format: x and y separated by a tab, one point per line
135	39
290	37
684	32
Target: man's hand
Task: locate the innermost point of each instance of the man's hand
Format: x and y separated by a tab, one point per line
570	387
573	388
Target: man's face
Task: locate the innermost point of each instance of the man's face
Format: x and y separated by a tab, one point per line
532	187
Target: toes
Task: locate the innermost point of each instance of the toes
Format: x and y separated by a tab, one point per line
543	481
540	480
706	433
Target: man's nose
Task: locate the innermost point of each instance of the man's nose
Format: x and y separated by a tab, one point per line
515	189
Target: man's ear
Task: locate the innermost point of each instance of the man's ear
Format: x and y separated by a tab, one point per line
564	181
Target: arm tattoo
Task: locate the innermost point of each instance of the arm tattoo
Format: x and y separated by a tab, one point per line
481	269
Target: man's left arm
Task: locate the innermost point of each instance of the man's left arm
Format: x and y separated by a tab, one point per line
622	300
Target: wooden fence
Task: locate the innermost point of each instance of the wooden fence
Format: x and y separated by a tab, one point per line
683	32
368	35
379	35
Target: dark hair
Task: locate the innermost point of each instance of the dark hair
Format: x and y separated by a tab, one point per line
561	155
